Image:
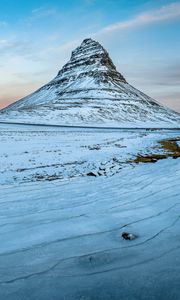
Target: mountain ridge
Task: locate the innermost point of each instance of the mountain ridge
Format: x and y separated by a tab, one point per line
89	90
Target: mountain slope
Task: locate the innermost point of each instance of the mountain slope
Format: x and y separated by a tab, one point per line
89	90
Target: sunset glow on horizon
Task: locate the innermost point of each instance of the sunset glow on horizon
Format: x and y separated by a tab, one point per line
142	38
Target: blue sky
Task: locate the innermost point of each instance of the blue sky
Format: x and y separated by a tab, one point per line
142	37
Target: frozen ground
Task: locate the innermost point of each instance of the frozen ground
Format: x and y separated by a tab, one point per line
60	228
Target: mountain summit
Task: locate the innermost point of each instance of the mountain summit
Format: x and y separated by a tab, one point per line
89	91
91	59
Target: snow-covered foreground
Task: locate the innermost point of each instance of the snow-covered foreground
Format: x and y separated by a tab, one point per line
61	230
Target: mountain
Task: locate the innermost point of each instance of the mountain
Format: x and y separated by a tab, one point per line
89	90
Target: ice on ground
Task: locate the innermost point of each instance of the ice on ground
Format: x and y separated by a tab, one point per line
61	239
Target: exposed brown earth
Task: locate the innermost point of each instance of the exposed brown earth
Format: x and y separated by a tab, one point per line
170	148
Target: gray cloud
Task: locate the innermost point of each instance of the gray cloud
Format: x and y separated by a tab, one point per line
164	74
42	12
162	81
21	47
163	14
14	45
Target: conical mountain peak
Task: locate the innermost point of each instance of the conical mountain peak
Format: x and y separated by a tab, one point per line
91	59
89	47
89	90
91	43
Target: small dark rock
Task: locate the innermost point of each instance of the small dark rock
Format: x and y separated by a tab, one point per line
90	258
100	174
128	236
91	174
102	169
95	147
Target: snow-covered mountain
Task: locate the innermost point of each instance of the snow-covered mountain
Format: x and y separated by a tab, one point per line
89	90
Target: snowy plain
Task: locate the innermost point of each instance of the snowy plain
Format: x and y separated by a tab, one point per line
67	195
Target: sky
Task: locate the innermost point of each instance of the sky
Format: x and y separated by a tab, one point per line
141	36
